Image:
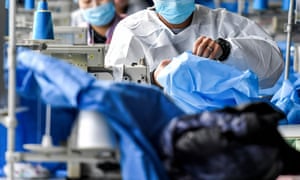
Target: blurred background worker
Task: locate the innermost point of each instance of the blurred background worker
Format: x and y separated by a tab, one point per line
100	16
174	26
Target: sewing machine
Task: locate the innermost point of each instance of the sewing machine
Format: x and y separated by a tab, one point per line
91	140
91	59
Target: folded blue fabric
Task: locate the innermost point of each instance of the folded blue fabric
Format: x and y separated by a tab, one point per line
198	84
137	113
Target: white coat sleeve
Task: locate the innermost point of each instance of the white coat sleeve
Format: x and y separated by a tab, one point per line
124	47
252	48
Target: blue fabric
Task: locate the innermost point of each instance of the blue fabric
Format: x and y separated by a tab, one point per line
198	84
138	127
288	100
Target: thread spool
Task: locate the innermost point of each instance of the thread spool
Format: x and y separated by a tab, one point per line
210	4
260	5
6	4
230	5
29	4
285	5
92	132
6	21
42	25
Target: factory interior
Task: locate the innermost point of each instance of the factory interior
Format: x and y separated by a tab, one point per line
65	113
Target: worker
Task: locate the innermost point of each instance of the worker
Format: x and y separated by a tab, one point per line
128	7
172	27
99	16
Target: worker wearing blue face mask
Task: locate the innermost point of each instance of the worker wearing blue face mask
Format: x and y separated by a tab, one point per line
172	27
100	16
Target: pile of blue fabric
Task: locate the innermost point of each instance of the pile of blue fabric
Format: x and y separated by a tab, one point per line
196	83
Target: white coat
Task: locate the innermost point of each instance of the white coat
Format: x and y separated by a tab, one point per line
144	35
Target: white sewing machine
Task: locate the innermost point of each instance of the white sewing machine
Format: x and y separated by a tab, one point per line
91	59
91	140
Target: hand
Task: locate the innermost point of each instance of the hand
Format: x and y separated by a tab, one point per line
159	68
208	48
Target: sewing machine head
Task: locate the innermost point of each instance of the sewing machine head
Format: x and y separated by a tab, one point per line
82	56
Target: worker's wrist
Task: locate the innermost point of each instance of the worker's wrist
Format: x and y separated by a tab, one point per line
153	80
226	48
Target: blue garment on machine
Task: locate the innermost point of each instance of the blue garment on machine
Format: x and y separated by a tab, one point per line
288	100
197	83
63	85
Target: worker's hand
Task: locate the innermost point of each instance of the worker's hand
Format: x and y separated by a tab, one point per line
208	48
159	68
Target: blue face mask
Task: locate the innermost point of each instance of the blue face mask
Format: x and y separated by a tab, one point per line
175	11
100	15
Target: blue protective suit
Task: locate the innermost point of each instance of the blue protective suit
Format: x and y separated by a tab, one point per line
138	127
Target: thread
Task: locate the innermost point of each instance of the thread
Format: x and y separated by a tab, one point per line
260	5
29	4
42	26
